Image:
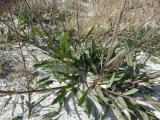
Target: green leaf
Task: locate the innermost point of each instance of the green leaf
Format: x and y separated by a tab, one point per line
41	99
44	84
156	106
57	67
51	115
91	108
30	106
83	97
90	31
116	60
63	69
36	31
144	115
42	64
122	102
118	112
87	35
132	91
111	51
59	97
43	80
129	56
88	108
130	43
61	93
112	80
132	105
124	107
127	114
64	42
101	96
141	112
18	118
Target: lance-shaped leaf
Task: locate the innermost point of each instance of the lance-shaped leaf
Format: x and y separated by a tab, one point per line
61	68
18	118
132	91
116	60
129	56
61	93
83	97
60	97
124	107
64	42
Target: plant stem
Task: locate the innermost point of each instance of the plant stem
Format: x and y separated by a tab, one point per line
30	91
105	91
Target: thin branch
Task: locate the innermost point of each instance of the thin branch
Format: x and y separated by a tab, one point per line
18	37
117	27
114	35
151	77
30	91
105	91
35	13
77	20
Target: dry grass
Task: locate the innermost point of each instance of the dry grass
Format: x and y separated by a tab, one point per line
104	12
99	12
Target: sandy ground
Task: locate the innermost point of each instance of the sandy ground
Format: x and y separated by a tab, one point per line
11	106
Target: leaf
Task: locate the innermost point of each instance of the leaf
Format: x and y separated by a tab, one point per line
30	106
111	51
41	99
18	118
124	107
43	79
88	34
36	31
64	42
132	91
50	115
44	84
90	31
42	64
118	112
62	68
112	80
83	97
61	93
94	98
59	98
101	96
7	101
144	115
88	108
130	43
156	106
91	108
129	56
66	99
127	114
116	60
140	112
57	67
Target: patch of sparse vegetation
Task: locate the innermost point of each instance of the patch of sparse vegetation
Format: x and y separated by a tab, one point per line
96	67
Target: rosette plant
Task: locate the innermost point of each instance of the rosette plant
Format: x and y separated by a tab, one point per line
108	75
98	73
